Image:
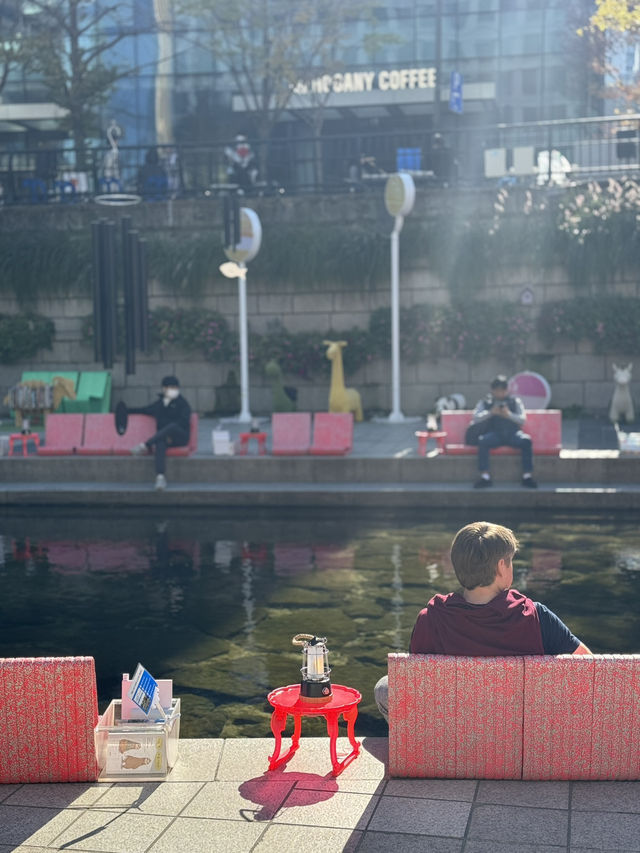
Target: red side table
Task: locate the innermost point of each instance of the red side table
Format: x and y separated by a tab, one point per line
423	437
261	438
25	439
286	700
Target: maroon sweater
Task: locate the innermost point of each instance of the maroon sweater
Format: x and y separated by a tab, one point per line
449	625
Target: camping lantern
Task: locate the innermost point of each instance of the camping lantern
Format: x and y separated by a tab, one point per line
315	685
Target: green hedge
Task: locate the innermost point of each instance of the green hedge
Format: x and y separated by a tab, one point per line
22	336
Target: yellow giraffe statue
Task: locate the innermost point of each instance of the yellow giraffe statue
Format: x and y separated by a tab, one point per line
341	399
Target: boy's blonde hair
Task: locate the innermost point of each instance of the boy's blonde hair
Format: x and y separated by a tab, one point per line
476	550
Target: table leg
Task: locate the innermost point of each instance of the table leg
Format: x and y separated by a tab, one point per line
278	723
351	716
332	730
297	724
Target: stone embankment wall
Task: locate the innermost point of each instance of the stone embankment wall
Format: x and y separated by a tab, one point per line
578	377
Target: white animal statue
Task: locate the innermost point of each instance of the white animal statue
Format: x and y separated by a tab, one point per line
621	402
341	399
453	401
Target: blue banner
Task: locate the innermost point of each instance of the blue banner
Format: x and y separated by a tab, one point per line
455	93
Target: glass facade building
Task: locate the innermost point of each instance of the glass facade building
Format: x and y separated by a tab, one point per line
513	61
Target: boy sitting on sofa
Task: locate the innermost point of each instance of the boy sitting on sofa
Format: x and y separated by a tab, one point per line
487	618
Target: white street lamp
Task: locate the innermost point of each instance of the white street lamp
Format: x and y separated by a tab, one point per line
239	256
399	196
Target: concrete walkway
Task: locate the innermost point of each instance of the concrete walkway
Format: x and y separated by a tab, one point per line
383	470
219	797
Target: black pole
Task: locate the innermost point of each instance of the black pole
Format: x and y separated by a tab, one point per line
109	307
134	261
96	268
129	307
143	272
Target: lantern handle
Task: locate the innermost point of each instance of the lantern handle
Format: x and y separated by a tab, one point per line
301	639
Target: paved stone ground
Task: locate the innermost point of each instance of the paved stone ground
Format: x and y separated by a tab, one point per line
220	797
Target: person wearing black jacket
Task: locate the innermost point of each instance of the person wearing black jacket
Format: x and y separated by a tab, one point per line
172	414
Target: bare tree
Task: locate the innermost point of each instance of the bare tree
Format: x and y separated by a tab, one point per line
72	41
15	47
313	90
269	46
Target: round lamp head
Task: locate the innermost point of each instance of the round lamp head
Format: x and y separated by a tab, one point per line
399	194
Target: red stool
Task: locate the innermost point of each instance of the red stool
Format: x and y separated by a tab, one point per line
286	700
423	437
25	439
245	438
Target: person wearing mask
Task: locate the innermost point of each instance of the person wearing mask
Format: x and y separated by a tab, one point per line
172	414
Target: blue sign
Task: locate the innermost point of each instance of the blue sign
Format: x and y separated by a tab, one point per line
455	93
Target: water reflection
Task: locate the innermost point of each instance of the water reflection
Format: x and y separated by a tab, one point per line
212	600
397	599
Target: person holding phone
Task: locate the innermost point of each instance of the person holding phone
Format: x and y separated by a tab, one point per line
497	422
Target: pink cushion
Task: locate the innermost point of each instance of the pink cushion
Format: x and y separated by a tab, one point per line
62	434
558	713
616	748
99	435
48	710
332	433
455	717
290	433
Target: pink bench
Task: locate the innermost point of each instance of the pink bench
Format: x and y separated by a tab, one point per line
566	717
332	434
543	425
101	438
62	435
48	710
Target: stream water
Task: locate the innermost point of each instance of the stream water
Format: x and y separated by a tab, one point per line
213	599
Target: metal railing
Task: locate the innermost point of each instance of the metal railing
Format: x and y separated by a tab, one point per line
537	153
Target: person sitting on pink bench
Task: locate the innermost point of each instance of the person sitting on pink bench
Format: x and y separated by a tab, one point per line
497	421
172	414
488	618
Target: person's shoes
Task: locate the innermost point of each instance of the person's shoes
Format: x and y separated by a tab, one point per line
529	483
161	482
483	483
139	449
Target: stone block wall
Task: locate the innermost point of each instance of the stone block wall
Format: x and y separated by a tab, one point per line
577	376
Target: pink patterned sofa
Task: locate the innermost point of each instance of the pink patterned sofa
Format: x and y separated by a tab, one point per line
566	717
48	710
543	425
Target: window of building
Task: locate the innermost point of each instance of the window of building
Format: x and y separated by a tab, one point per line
505	84
530	81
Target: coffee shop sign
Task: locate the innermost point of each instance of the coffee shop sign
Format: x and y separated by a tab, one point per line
394	79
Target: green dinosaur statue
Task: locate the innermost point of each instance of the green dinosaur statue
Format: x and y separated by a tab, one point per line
284	398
